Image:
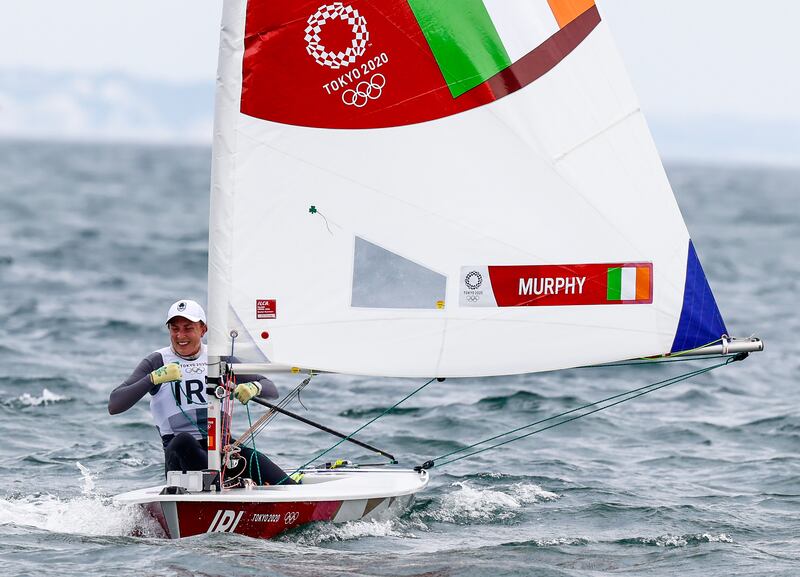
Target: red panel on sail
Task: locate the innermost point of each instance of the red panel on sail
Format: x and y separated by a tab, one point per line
366	64
568	285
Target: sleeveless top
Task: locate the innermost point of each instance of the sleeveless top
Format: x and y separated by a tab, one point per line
180	406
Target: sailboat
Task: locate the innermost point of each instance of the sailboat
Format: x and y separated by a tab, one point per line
418	188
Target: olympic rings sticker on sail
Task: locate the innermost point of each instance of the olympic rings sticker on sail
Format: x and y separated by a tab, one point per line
365	91
318	20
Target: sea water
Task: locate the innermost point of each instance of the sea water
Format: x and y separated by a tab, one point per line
702	478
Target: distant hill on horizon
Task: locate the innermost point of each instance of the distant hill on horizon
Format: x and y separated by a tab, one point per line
118	107
106	107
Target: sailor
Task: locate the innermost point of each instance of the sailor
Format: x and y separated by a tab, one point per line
175	378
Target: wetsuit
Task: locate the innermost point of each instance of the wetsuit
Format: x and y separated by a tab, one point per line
180	412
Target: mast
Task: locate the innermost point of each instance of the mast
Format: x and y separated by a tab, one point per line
220	239
214	428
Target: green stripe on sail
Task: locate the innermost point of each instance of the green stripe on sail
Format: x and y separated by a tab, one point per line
463	39
614	284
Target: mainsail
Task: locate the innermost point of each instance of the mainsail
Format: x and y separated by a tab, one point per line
427	188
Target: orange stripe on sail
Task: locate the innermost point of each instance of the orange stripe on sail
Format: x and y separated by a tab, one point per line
642	283
566	11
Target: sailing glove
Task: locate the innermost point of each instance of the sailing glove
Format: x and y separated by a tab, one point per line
246	391
167	373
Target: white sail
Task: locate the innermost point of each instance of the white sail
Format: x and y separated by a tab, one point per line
404	189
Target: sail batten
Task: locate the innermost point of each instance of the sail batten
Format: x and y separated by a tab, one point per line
404	191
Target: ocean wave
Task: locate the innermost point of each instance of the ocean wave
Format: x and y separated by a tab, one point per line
370	412
667	540
320	533
517	400
87	514
47	397
4	350
670	540
774	424
550	542
469	504
696	395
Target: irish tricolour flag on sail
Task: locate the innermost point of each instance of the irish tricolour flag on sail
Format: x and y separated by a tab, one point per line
557	285
630	283
472	40
383	63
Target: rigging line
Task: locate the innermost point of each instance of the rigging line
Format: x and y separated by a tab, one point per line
563	414
267	417
628	396
254	430
430	464
254	456
175	386
656	361
690	351
322	427
666	358
361	428
226	408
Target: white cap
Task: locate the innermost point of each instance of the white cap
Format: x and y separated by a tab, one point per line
188	310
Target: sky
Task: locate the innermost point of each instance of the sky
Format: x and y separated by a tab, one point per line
705	70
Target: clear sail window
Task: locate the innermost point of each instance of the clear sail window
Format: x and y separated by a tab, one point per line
383	279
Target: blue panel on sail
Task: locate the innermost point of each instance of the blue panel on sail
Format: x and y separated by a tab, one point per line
701	321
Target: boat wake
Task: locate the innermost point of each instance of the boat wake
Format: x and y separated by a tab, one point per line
95	516
465	505
322	533
469	505
88	514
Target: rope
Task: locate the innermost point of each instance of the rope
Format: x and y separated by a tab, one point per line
619	399
254	456
690	351
226	419
361	428
677	357
264	419
175	387
659	361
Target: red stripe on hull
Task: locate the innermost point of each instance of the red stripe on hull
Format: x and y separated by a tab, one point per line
258	520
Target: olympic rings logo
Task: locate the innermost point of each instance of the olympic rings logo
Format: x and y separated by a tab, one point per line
318	20
193	370
472	299
291	517
365	91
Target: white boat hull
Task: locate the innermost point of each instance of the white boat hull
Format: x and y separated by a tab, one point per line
337	495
